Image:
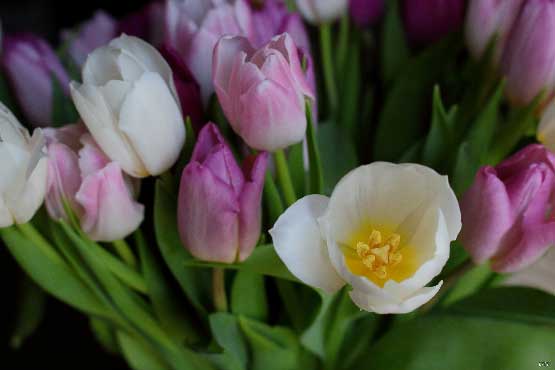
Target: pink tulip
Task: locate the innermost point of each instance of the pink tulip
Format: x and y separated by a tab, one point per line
95	32
366	12
32	67
219	203
508	213
193	27
262	92
82	176
529	57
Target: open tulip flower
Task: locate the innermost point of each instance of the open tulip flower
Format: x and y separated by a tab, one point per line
385	231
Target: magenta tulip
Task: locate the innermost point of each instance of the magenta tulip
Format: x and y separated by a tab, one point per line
427	21
219	203
508	213
147	23
32	67
366	12
262	92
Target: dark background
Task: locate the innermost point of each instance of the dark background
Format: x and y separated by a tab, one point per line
63	340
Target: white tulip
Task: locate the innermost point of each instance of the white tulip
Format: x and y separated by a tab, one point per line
385	231
130	105
321	11
546	128
540	275
23	167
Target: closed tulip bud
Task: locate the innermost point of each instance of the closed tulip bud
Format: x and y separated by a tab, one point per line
366	12
508	213
193	27
82	177
33	68
427	21
489	20
24	170
94	33
262	92
322	11
529	58
219	203
130	105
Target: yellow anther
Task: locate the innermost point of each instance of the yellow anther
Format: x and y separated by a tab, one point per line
375	238
395	259
382	253
394	240
381	272
362	249
369	261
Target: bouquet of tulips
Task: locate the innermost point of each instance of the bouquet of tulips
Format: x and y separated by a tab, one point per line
310	184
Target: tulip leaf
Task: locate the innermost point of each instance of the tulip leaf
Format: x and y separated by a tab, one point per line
248	295
315	172
300	302
465	169
227	333
194	283
139	355
395	50
30	304
457	342
295	159
472	281
350	91
63	110
166	305
272	199
105	335
264	261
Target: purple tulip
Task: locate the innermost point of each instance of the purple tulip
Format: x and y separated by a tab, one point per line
427	21
32	67
146	24
508	213
262	92
366	12
219	203
529	57
97	31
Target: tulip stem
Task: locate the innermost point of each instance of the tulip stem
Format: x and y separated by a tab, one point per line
284	177
218	289
31	233
327	65
124	251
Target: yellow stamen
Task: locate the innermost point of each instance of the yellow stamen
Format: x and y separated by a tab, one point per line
382	253
375	238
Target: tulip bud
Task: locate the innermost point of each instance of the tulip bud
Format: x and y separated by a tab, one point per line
262	92
94	33
508	212
82	177
129	103
427	21
366	12
529	57
322	11
24	169
219	203
32	67
489	19
194	27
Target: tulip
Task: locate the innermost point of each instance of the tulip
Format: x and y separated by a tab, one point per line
385	231
322	11
366	12
540	275
508	211
94	33
32	67
193	27
427	21
219	203
82	177
129	103
24	170
147	23
529	57
546	128
487	20
262	92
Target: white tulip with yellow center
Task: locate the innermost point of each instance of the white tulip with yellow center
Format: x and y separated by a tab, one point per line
385	231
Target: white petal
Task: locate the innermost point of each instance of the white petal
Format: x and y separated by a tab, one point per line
298	242
546	129
6	218
101	66
10	129
411	303
152	121
32	195
101	121
540	275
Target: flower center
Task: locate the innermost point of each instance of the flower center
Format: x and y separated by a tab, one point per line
380	256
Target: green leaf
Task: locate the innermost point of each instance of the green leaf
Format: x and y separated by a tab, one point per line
338	154
195	284
187	151
105	335
263	260
315	172
395	50
272	199
50	272
457	342
468	284
248	296
139	355
465	169
63	110
350	88
166	305
295	159
300	302
227	333
30	305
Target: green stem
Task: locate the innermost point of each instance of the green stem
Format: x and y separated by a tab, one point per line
36	237
343	43
284	177
124	251
218	289
327	65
